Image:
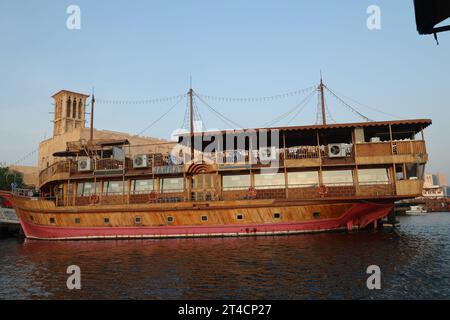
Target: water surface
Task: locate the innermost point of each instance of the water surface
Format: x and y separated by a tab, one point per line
414	262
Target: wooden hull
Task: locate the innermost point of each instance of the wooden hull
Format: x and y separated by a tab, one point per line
266	217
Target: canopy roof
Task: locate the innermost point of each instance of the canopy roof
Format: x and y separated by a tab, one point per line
414	125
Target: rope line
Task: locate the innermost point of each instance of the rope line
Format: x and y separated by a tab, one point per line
289	112
145	101
369	107
162	116
257	99
302	108
348	106
223	117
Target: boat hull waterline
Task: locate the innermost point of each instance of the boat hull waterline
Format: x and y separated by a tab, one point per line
353	216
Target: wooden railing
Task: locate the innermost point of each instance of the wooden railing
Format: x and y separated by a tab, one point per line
373	149
384	148
109	164
305	152
294	192
58	167
409	147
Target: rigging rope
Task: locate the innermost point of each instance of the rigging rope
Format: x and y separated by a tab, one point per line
145	101
223	117
369	107
348	106
286	114
162	116
302	108
24	158
257	99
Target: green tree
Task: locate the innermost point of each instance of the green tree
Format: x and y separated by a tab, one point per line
7	177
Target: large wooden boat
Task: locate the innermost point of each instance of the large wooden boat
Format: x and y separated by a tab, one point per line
277	180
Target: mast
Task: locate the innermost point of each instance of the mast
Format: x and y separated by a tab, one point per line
91	134
322	96
191	120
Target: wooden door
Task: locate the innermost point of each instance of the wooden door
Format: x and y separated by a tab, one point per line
204	187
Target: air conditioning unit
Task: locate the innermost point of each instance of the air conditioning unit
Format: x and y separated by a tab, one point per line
84	164
375	139
268	154
140	161
337	150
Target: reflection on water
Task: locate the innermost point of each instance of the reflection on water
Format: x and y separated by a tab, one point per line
414	261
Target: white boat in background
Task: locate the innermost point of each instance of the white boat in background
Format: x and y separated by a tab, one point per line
416	211
9	222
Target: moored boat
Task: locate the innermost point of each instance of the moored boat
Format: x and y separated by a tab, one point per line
416	211
9	222
261	181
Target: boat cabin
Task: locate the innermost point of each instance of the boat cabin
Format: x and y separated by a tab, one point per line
351	160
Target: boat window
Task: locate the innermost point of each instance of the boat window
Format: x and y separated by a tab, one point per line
277	215
240	217
77	220
170	219
113	187
338	177
85	189
52	220
171	185
204	218
106	220
236	182
142	186
373	176
399	172
268	181
137	220
303	179
414	171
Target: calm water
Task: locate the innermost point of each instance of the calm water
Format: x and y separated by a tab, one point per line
415	263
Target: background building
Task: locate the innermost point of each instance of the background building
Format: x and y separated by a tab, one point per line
69	125
435	186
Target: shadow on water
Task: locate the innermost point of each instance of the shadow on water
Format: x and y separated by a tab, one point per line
414	261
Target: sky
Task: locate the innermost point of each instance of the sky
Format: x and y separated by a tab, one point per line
136	50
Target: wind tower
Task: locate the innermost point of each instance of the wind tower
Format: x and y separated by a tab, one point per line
69	112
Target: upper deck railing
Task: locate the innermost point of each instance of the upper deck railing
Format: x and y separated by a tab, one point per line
68	168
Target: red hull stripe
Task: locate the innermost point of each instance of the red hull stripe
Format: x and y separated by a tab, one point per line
359	216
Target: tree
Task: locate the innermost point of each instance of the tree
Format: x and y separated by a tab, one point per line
8	177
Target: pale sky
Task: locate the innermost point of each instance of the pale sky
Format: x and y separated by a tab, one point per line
132	50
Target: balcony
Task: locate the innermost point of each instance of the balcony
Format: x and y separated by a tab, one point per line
410	151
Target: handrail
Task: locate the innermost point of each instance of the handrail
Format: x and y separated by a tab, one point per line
367	149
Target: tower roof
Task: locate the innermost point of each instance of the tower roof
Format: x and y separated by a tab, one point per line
71	92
